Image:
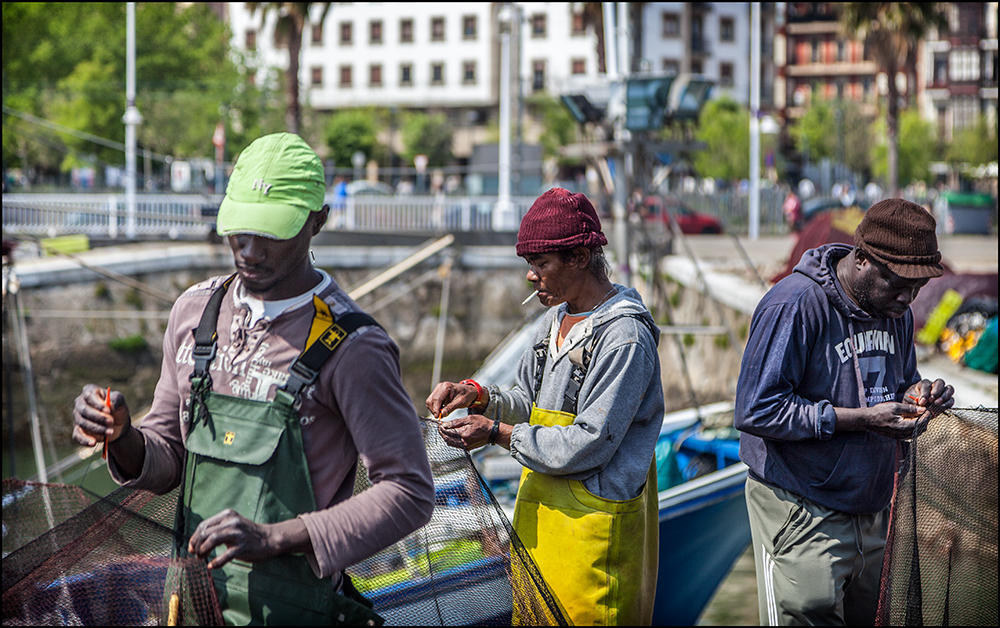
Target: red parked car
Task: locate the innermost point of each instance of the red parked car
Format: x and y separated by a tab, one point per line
690	221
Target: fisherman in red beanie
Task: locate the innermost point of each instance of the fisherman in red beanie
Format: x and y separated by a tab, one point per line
582	419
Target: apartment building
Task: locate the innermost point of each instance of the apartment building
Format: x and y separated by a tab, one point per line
957	68
709	39
814	60
438	57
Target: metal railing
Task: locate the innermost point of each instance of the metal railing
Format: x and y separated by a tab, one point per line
106	216
426	214
192	216
732	208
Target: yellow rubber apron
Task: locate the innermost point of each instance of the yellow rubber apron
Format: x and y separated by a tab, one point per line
598	556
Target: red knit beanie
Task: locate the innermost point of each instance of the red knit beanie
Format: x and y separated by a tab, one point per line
559	220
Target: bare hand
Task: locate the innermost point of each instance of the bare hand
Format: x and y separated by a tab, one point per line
449	396
895	420
92	422
243	539
926	394
467	432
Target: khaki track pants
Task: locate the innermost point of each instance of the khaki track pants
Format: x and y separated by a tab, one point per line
815	566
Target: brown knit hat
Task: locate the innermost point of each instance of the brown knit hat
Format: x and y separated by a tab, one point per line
559	220
900	234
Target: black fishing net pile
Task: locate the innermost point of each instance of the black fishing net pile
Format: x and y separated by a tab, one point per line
941	556
73	558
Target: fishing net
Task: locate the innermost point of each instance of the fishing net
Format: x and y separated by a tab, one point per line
940	563
465	567
73	558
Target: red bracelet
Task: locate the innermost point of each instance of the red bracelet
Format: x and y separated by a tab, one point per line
479	392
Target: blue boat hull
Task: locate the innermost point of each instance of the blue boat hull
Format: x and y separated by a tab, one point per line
702	533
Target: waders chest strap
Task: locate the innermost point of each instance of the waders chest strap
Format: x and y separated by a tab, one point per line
326	335
306	367
581	362
204	334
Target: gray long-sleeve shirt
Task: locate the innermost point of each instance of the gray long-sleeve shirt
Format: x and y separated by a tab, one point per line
610	444
357	408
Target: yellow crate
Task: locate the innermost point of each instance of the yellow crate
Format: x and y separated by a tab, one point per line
73	243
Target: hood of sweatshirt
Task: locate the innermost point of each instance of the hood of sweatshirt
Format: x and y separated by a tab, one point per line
819	264
625	302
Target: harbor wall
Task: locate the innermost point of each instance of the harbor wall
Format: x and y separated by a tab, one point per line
101	330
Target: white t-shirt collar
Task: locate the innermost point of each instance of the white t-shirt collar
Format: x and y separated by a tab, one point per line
260	309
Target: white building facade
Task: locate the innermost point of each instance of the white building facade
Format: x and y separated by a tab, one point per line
445	57
441	57
423	55
957	68
710	39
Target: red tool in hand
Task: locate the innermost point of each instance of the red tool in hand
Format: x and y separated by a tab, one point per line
107	406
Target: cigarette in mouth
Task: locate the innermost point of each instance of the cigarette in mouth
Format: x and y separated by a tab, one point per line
530	297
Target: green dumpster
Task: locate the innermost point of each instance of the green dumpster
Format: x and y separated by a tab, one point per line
966	212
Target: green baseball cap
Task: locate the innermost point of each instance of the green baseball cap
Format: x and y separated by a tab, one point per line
278	179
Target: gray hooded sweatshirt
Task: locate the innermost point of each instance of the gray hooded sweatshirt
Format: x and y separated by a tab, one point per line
610	444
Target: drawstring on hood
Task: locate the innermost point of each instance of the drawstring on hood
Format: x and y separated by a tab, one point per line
820	265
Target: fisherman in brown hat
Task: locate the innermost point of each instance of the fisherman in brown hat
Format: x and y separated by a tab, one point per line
828	390
582	419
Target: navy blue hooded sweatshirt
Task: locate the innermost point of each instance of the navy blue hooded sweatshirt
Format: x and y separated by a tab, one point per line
798	365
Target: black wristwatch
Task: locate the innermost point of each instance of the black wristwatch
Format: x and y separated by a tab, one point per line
495	431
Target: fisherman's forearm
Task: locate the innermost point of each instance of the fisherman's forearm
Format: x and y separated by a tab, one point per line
128	452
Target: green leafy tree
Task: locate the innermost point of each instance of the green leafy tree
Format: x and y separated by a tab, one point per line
429	135
815	132
65	63
835	130
974	145
915	148
188	81
350	131
892	31
857	143
724	126
42	45
558	125
288	30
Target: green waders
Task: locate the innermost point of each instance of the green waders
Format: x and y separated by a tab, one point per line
248	455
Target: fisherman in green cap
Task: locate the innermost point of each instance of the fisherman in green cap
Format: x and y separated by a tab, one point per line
273	385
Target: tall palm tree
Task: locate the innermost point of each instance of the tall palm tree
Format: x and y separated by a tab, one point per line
892	31
593	16
288	30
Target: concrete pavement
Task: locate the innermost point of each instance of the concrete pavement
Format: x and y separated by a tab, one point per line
963	253
731	282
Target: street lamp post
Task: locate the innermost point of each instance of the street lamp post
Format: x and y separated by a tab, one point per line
502	210
754	229
357	160
132	119
219	141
